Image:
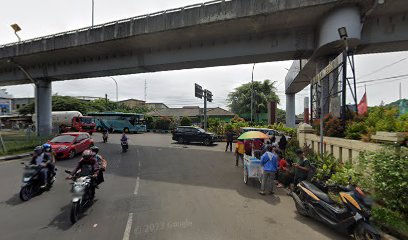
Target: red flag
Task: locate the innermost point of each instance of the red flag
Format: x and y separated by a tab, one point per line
362	106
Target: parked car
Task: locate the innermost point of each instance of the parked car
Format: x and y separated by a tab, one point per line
193	134
67	145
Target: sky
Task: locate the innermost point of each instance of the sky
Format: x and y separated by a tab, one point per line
175	88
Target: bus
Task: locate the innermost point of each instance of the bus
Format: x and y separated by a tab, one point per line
119	122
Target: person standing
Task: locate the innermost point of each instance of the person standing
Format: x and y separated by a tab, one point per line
269	164
230	137
282	143
248	147
273	139
239	152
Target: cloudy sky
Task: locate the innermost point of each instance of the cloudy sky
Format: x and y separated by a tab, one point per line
175	88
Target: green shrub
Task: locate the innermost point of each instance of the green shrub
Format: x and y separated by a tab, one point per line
355	130
332	126
185	121
384	173
163	123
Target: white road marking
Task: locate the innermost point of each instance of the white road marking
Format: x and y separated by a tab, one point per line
137	186
140	164
95	225
126	234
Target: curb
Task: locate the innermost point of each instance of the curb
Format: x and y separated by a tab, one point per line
12	157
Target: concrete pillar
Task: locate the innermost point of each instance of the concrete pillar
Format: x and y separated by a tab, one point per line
43	107
290	110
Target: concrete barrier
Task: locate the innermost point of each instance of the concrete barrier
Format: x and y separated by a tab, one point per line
345	150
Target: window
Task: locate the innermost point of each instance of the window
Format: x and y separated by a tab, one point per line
17	106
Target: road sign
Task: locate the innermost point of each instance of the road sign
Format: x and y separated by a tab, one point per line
209	96
198	91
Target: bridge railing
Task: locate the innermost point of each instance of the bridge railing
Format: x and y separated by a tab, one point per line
180	9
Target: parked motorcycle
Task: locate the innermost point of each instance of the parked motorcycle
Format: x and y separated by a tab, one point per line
32	181
351	216
124	145
83	194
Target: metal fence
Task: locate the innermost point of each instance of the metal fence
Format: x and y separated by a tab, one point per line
19	141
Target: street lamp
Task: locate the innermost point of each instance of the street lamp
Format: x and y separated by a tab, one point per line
117	100
16	29
93	9
252	92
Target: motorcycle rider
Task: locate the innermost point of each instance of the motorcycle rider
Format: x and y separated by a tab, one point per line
41	159
102	164
105	134
51	165
88	166
124	139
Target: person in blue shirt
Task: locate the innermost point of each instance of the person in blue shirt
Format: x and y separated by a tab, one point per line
269	163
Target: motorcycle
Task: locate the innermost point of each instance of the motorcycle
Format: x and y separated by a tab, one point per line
83	194
32	181
105	137
351	215
124	145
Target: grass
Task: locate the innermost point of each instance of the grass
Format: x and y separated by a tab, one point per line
17	142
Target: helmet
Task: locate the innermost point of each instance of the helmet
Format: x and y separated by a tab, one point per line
47	147
94	149
87	154
38	149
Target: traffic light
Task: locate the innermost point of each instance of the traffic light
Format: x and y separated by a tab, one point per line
209	96
198	91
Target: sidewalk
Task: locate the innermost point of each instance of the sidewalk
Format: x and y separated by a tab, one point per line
13	157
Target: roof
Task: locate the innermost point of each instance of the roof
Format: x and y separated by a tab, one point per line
189	112
132	99
74	133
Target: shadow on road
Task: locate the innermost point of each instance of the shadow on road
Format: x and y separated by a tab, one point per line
61	221
320	227
14	200
194	144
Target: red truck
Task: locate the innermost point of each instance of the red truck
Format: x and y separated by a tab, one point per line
71	121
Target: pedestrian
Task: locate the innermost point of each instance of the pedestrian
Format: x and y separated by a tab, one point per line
283	169
230	137
258	143
269	164
248	147
282	143
301	168
239	152
273	138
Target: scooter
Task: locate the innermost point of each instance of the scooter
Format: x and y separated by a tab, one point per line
351	216
32	181
124	145
83	194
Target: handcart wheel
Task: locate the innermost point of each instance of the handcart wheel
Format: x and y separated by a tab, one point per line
245	175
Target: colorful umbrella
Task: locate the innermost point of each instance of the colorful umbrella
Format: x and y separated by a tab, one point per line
253	135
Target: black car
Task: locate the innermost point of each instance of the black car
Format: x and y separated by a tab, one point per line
193	134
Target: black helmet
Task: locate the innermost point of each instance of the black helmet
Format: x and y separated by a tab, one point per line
94	149
87	154
38	149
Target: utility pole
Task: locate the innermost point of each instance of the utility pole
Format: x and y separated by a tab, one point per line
145	91
205	110
400	90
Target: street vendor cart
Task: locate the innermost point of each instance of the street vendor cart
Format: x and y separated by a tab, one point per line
252	165
252	168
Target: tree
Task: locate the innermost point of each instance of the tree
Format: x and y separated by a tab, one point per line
185	121
280	116
240	99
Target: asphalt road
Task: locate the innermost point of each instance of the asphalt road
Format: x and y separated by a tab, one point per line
157	190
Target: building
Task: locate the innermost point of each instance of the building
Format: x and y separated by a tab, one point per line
132	103
18	103
156	105
194	112
5	102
